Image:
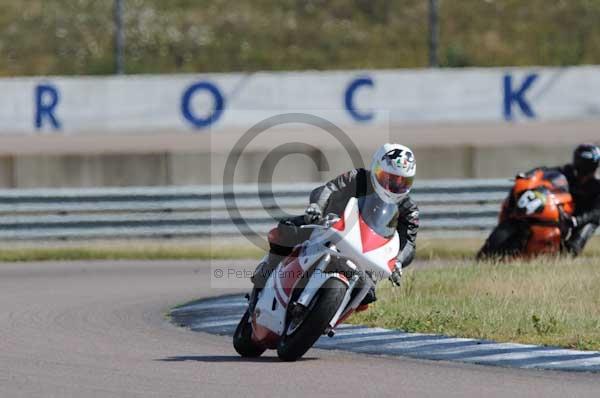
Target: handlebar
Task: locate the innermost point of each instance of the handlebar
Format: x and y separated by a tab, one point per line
326	222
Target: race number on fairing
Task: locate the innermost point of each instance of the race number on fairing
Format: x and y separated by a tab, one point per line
531	202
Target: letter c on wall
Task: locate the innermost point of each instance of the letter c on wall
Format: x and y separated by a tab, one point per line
186	104
349	99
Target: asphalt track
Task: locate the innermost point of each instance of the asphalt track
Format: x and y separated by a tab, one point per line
84	329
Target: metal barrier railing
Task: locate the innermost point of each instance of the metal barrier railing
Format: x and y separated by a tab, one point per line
202	211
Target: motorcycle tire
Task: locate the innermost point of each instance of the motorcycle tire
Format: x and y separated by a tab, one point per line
242	339
292	347
506	240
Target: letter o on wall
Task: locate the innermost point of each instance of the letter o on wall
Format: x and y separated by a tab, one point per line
186	104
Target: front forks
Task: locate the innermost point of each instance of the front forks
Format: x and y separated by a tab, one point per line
351	285
349	304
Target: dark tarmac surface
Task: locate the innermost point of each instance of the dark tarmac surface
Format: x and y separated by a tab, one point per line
84	329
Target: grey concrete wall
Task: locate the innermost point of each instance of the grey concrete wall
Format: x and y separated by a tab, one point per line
508	160
7	172
89	170
465	150
182	168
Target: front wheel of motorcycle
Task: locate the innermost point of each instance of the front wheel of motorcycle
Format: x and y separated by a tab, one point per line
507	240
292	346
242	339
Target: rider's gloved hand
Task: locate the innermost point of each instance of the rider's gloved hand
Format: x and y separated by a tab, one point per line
313	213
396	276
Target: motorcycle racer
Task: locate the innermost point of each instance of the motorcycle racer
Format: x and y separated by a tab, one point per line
390	176
584	186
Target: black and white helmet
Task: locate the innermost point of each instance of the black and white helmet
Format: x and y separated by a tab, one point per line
586	159
393	171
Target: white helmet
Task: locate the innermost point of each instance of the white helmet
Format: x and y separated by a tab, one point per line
393	171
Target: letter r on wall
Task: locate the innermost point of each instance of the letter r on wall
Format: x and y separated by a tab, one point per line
47	98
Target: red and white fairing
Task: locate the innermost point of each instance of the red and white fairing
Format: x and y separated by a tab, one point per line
350	239
359	243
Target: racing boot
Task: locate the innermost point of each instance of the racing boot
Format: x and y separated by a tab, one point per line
368	299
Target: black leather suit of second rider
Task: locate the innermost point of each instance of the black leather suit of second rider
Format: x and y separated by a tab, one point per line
586	195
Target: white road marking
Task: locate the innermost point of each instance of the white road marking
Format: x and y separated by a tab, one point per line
519	355
405	345
359	331
206	325
472	348
362	337
213	321
208	306
581	363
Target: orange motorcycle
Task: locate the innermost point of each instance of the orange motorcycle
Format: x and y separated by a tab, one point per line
532	218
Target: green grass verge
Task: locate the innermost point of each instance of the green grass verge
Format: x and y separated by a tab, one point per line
106	253
551	302
428	249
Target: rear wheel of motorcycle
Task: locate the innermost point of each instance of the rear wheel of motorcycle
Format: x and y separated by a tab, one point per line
293	346
242	339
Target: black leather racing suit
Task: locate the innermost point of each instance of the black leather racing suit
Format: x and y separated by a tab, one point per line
332	198
586	195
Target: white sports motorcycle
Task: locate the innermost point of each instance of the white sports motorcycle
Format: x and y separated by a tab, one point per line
322	282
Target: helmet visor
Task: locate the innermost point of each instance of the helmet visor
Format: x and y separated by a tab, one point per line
392	182
585	166
586	159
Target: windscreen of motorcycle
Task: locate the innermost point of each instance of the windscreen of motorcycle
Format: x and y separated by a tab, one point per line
558	180
380	216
